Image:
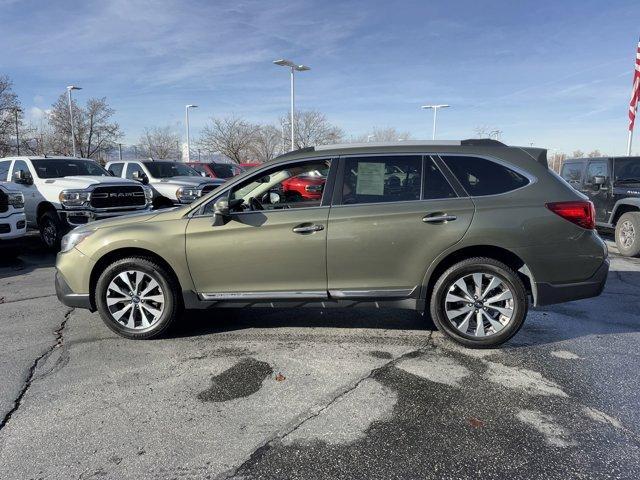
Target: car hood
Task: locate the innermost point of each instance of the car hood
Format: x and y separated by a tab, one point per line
8	187
88	181
194	181
117	221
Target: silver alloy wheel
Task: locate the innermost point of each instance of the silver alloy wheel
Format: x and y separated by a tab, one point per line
135	300
479	304
627	234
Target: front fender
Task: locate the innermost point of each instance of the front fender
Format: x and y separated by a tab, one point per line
626	202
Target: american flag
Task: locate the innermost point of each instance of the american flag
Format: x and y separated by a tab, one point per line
635	93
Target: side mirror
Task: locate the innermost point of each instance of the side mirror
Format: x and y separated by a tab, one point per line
203	174
221	212
599	180
139	176
271	198
22	177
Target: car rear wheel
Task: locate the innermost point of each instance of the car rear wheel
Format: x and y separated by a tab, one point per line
628	234
137	298
479	302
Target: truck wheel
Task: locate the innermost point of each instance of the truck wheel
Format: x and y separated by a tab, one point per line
51	230
137	298
628	234
479	302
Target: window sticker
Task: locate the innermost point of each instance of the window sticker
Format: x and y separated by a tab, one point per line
370	178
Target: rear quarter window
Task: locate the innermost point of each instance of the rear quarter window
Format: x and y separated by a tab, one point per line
480	176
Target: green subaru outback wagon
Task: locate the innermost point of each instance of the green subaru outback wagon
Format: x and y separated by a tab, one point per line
471	232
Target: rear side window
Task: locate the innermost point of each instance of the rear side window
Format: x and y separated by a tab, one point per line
382	179
435	185
572	172
116	169
480	176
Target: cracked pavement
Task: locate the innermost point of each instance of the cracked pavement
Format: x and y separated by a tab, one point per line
275	394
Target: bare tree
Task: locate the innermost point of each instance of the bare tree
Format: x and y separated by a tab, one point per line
160	143
9	106
95	132
312	128
556	161
389	134
577	154
594	153
231	136
266	143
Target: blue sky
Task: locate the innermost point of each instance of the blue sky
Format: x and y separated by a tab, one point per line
557	74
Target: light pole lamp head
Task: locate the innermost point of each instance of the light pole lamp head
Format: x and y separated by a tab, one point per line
191	106
73	87
443	105
288	63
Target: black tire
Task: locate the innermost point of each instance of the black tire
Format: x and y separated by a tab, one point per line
487	266
169	288
628	234
51	230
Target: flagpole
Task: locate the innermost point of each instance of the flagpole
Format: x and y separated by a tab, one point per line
629	143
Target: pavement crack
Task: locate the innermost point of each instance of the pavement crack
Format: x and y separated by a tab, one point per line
5	302
58	342
312	413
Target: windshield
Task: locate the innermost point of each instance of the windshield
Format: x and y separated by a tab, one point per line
170	169
225	170
627	169
58	168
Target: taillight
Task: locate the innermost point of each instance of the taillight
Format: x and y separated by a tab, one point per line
582	213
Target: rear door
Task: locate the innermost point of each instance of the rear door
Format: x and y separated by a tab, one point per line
391	216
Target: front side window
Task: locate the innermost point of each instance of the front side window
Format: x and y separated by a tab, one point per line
58	168
596	169
132	168
116	169
572	172
298	185
19	165
381	179
480	176
169	169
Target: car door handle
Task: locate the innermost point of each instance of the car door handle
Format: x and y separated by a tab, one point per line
438	218
308	228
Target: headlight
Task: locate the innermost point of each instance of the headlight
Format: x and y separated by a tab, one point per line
73	238
74	198
187	194
148	193
16	199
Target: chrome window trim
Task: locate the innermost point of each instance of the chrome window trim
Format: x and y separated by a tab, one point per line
274	295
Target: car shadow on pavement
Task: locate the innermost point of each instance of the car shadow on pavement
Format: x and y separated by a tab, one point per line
24	255
205	322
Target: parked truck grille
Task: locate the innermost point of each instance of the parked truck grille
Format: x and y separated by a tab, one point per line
4	201
121	196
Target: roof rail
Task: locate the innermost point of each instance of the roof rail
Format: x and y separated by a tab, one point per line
482	142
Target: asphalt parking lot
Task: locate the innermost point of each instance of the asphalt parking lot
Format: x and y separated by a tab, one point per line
306	394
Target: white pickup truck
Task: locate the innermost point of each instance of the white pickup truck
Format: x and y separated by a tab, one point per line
173	183
12	221
61	193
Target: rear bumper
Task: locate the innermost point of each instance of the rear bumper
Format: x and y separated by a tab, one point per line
549	294
68	297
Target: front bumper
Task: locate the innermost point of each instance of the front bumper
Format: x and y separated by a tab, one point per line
549	294
75	218
13	226
68	297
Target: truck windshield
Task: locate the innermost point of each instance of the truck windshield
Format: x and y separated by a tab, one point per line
170	169
627	170
62	167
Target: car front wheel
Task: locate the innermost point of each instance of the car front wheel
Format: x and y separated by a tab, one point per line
51	230
479	302
628	234
137	298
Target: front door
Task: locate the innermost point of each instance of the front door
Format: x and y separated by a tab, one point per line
273	246
396	214
600	195
32	197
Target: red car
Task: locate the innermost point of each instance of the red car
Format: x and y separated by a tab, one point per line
304	187
217	169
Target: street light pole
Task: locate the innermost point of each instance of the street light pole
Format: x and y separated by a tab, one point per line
120	151
293	68
16	111
186	114
435	115
73	134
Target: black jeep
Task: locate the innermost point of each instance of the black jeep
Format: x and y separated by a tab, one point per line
613	185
